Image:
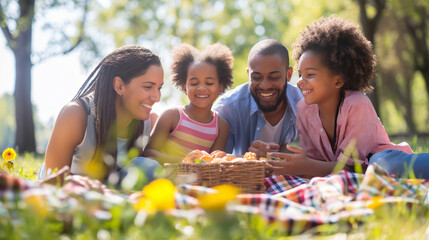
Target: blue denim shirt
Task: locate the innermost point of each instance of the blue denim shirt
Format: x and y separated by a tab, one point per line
246	120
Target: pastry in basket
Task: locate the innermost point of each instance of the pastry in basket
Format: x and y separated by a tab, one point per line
216	160
197	154
226	158
218	154
230	158
250	156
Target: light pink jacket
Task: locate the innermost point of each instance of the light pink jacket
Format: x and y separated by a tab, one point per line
357	121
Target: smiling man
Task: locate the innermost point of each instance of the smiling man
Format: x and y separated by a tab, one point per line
262	112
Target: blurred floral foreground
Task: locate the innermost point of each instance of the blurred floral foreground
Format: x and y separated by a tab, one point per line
344	204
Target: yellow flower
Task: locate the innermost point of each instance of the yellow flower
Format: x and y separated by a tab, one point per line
218	200
375	202
146	205
38	203
414	181
158	195
95	170
9	154
8	165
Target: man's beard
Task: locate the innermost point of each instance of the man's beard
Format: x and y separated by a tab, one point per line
270	108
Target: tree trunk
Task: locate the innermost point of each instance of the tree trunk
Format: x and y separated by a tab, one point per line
19	40
24	138
369	27
417	30
369	32
418	33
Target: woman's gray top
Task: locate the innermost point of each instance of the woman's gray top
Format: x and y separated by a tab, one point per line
85	150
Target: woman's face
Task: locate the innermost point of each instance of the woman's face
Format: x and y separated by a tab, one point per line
139	95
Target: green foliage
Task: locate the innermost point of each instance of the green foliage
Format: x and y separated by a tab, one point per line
162	25
401	49
396	221
25	166
7	122
237	24
392	118
421	104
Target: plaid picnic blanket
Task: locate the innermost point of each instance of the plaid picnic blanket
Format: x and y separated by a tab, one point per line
62	202
301	204
298	204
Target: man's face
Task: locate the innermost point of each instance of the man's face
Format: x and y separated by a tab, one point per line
268	78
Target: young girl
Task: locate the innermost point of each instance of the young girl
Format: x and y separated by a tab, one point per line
336	65
202	76
110	114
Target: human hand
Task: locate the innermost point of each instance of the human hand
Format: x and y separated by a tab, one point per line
58	176
262	148
83	181
291	164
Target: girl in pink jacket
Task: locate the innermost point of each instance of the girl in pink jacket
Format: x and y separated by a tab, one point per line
336	120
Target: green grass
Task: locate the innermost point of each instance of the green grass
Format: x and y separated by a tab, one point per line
26	166
393	221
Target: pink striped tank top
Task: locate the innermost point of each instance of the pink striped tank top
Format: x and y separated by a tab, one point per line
191	135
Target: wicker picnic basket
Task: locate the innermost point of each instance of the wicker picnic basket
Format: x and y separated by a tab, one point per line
248	176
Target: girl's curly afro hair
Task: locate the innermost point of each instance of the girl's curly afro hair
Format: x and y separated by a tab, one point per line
217	54
343	49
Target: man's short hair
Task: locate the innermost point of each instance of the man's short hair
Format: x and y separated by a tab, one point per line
269	47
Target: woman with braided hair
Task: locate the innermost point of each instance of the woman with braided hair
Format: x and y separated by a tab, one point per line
110	114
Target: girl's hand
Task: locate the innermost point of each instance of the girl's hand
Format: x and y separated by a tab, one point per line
262	148
293	163
294	149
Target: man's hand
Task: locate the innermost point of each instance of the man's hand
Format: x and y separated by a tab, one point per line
262	148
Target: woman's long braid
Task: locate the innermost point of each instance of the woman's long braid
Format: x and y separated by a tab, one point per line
105	117
89	85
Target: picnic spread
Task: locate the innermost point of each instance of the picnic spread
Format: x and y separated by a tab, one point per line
296	203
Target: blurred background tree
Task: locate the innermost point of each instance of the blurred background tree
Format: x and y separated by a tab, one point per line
16	22
398	30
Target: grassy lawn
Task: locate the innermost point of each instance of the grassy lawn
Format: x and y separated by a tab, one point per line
390	221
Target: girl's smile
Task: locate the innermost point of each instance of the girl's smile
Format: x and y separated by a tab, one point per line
318	84
305	92
202	84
